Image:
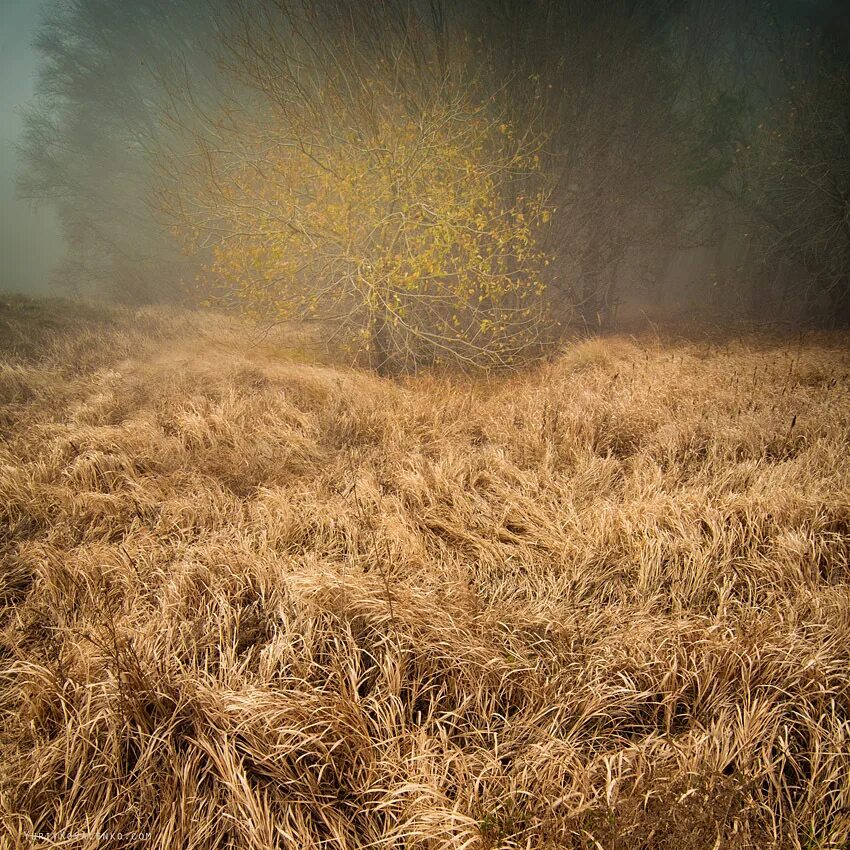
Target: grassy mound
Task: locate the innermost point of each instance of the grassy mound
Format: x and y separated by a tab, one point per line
252	603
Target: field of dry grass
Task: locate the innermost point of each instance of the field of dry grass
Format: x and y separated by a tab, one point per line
250	602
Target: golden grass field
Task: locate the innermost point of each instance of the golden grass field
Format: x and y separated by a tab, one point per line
253	602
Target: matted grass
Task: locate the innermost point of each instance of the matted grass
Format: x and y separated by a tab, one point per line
254	603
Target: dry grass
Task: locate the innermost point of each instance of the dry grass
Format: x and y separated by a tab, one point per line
249	603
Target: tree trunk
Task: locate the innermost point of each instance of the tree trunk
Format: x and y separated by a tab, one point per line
379	343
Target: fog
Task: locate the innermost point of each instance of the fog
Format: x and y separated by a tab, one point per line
543	165
30	240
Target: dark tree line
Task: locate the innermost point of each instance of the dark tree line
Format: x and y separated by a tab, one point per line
695	153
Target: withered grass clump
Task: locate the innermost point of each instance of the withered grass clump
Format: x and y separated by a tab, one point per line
252	603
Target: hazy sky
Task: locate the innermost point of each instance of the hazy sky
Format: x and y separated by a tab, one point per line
30	243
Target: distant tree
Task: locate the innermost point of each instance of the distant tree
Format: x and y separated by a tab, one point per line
91	128
772	104
604	82
372	182
795	181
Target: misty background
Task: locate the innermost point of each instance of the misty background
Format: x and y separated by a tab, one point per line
695	159
30	238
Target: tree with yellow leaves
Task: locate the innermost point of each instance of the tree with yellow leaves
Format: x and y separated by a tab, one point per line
372	184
